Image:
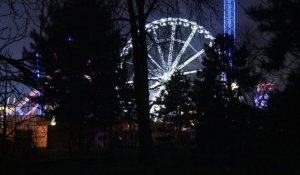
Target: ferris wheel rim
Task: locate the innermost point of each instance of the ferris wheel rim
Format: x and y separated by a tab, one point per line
176	21
165	65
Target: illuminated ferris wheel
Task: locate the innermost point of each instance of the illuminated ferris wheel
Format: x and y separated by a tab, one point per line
174	44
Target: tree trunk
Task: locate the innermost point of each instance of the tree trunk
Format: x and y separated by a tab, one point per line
140	56
4	129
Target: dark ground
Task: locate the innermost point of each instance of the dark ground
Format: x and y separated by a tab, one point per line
180	160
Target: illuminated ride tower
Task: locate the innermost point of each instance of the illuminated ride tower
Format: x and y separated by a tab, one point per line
229	18
38	76
229	31
229	27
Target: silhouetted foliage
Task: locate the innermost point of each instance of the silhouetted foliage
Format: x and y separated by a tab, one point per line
284	113
278	19
78	53
175	105
16	17
218	95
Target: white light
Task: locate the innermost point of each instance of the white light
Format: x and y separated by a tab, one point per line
87	77
234	86
53	122
190	72
37	55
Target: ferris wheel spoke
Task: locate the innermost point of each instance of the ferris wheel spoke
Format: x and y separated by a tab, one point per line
191	59
155	78
155	85
149	46
171	45
190	72
154	62
152	74
185	45
159	48
128	62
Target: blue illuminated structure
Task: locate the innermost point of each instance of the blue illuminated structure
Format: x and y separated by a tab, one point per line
229	18
262	96
38	57
38	75
229	30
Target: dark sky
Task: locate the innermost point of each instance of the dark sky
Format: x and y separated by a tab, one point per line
242	20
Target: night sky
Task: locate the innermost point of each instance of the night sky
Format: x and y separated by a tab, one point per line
242	21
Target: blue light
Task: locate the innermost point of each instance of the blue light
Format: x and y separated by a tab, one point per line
261	101
69	38
20	112
229	17
37	55
229	26
38	75
39	111
262	97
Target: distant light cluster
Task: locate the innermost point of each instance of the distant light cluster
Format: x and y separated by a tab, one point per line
262	95
38	57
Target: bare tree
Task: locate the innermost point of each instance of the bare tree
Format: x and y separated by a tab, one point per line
17	18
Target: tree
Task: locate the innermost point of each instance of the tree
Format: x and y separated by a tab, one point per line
16	18
282	30
78	55
208	96
219	89
283	128
278	20
175	102
231	75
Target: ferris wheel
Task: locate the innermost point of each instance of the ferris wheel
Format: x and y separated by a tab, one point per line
174	44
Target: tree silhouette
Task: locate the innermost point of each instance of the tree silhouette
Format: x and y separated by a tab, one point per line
175	102
284	122
279	21
16	17
78	66
218	93
282	30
